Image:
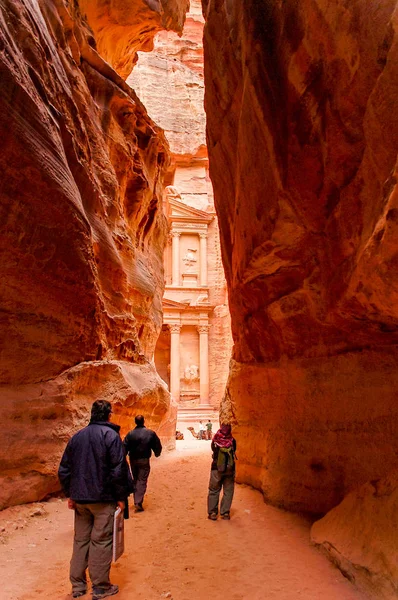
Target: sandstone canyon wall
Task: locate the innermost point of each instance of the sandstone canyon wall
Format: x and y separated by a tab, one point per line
301	102
360	536
82	241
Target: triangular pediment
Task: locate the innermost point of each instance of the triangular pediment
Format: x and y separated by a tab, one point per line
179	211
174	304
186	305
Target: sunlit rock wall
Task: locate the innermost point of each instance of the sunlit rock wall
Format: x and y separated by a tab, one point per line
301	101
82	238
123	27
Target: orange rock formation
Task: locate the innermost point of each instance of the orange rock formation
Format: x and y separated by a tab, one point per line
82	244
361	536
122	28
301	102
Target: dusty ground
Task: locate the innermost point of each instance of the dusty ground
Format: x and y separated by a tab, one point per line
172	550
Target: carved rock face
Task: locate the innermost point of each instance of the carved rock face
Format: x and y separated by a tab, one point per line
301	103
82	242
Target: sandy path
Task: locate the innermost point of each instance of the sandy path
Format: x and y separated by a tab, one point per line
173	551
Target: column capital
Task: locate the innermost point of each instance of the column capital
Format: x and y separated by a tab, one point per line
203	235
203	328
175	234
175	328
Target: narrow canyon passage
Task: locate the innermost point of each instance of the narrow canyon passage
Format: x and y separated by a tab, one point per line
244	274
173	551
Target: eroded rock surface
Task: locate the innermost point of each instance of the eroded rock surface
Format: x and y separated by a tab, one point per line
122	28
40	418
301	102
82	242
170	83
360	536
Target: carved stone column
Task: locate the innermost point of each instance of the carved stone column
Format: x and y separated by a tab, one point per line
203	259
175	361
175	258
204	363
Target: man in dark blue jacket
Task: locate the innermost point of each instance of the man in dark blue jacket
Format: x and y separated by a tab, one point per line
93	475
139	444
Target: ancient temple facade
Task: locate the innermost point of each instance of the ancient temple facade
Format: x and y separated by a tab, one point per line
194	348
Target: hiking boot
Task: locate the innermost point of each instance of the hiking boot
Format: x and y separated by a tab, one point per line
212	516
101	592
78	594
226	517
138	507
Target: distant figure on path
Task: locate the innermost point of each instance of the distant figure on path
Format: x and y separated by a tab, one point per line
139	444
209	429
94	476
222	474
202	431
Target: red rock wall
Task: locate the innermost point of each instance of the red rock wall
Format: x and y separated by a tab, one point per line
360	537
81	246
301	102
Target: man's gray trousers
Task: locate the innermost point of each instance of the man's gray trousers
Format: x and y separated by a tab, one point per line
92	546
140	469
217	481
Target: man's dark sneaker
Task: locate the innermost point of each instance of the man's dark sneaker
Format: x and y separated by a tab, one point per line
138	507
78	594
212	516
226	517
100	592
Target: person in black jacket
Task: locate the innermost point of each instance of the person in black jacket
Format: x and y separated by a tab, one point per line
139	444
94	476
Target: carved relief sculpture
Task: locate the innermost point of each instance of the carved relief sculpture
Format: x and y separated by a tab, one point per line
172	192
190	259
191	373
